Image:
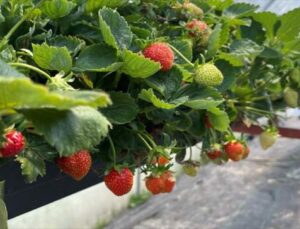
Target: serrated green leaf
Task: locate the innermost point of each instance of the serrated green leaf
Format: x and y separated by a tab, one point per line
239	10
8	71
234	60
214	41
3	215
270	53
292	46
245	47
268	21
219	4
93	5
73	44
71	130
115	30
289	28
123	110
22	93
166	83
185	47
32	165
52	58
57	8
138	66
218	118
97	58
149	96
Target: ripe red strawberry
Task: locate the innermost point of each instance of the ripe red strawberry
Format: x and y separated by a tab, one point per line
162	53
77	165
214	154
14	144
119	182
168	181
161	160
154	184
196	27
234	150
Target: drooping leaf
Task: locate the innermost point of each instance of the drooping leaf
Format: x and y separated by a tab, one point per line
268	21
218	118
71	130
22	93
57	8
115	30
97	58
32	165
289	28
52	58
123	110
149	96
138	66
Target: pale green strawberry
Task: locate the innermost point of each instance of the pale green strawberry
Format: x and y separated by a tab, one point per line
190	168
291	97
267	139
208	75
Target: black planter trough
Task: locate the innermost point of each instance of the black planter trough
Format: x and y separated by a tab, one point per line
21	197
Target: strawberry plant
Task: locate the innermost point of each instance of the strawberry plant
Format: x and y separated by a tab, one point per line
129	82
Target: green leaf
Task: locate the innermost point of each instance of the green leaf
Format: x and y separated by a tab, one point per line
214	43
8	71
3	215
73	44
218	118
199	98
268	21
239	10
72	130
97	58
292	46
22	93
270	53
93	5
137	66
289	28
166	83
115	30
52	58
32	165
149	96
185	47
57	8
239	50
233	59
219	4
123	110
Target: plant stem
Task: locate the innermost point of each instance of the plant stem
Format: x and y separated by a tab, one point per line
41	72
182	56
144	141
5	39
113	149
149	139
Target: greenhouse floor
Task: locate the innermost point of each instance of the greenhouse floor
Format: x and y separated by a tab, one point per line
262	192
